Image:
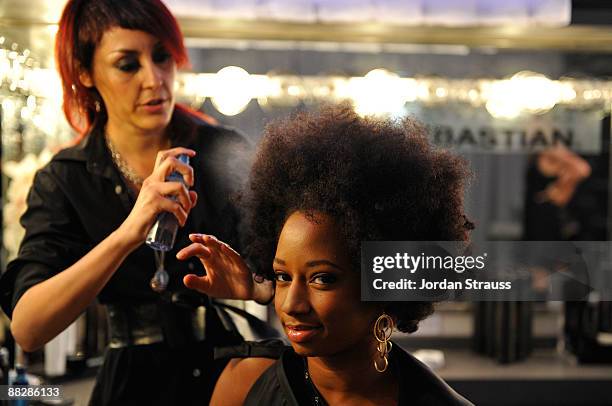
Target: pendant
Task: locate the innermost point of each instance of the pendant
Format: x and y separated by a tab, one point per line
159	281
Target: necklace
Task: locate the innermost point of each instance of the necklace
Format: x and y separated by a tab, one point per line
315	395
125	169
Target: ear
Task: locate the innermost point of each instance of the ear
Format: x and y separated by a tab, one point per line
86	79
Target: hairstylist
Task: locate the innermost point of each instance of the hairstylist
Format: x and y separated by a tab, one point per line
89	210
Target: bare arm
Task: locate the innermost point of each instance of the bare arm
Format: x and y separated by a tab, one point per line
237	379
569	170
47	308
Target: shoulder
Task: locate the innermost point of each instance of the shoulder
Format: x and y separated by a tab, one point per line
72	153
251	362
70	162
237	379
222	139
63	169
205	131
90	147
427	386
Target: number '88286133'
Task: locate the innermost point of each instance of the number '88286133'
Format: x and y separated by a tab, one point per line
30	392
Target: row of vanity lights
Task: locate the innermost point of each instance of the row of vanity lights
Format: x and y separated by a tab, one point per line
33	94
384	92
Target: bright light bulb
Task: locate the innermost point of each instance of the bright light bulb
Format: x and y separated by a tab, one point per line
294	90
527	92
503	101
380	92
538	93
441	92
231	90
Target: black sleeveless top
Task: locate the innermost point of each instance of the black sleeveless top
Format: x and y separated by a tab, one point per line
283	383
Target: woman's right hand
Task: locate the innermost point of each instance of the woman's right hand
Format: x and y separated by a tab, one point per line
227	275
154	196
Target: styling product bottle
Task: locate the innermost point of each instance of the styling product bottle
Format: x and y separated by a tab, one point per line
163	232
20	379
19	376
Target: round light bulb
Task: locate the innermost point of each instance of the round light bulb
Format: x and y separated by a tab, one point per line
232	90
379	92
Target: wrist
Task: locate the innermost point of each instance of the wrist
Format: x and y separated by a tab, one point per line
125	239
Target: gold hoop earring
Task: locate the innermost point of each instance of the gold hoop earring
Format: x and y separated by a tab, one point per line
383	328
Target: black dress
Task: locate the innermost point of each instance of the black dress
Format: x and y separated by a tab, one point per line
77	200
284	383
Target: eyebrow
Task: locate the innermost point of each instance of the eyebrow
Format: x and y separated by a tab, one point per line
156	46
322	262
310	264
125	51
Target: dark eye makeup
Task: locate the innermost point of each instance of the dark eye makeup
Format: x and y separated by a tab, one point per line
282	277
161	55
129	62
324	279
321	278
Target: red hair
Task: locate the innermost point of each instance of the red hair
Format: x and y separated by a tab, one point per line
81	28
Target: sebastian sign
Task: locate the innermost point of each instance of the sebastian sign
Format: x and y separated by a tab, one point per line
475	130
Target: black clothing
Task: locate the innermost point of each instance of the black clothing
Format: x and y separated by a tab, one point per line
584	218
77	200
283	383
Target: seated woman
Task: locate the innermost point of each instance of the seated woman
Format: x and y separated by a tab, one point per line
322	183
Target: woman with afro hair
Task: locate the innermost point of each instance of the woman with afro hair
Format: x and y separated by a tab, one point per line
321	184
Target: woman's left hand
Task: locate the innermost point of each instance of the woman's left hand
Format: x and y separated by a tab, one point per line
227	275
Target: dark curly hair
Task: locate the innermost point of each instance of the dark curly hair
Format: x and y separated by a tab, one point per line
379	179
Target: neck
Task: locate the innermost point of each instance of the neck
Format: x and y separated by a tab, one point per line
133	142
138	149
350	374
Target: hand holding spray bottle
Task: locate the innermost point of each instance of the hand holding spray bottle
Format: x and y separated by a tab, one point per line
162	234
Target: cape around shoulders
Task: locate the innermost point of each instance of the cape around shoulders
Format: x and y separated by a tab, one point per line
283	383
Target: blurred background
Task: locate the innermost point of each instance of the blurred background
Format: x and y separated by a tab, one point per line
521	88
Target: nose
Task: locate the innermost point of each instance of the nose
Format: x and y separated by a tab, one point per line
153	75
294	298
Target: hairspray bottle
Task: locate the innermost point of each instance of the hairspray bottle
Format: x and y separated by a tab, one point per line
163	232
